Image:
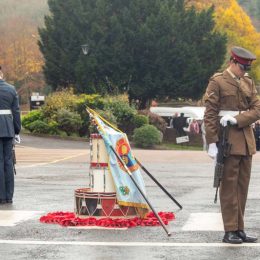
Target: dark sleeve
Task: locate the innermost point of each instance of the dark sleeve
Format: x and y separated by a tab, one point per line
16	115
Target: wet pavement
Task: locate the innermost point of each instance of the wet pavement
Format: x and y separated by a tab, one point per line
48	172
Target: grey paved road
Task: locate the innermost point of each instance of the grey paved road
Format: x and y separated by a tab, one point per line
48	172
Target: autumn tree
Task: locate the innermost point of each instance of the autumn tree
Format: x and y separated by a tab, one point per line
231	19
20	57
240	31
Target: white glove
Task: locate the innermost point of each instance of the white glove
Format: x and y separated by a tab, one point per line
228	118
213	150
17	139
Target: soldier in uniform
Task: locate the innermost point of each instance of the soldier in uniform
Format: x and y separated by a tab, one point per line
10	125
231	97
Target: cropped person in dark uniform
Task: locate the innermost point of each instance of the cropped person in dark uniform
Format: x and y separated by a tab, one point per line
257	134
10	126
231	97
180	122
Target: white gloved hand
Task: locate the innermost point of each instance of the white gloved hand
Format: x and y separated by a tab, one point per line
213	150
227	118
17	139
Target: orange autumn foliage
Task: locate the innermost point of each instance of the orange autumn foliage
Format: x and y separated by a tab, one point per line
232	20
20	56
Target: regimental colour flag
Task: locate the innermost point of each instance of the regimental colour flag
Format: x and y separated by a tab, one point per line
127	192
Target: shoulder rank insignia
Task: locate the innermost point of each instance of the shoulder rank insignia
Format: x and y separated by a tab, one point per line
209	94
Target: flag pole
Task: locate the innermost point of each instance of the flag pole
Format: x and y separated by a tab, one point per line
160	185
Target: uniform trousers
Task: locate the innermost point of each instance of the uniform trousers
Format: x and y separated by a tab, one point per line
6	169
233	191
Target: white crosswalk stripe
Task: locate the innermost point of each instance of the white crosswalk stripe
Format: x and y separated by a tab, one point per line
9	218
125	244
206	221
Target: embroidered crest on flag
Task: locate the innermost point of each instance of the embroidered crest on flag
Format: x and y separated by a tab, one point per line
123	149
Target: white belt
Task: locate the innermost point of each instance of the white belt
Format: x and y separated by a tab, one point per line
5	112
229	112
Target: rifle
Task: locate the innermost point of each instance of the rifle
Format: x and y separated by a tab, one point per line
223	151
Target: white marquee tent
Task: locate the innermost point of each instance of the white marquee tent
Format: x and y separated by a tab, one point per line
190	112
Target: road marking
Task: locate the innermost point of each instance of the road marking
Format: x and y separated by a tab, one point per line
52	162
206	221
97	227
125	244
10	218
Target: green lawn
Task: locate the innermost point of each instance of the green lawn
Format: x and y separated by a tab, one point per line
184	146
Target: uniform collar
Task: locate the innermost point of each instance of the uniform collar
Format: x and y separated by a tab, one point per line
233	75
230	79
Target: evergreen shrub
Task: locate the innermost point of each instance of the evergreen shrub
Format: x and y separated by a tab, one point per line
31	117
94	101
64	112
147	136
40	127
64	99
140	120
69	122
123	112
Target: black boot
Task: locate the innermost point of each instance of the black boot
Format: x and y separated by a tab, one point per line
245	238
232	238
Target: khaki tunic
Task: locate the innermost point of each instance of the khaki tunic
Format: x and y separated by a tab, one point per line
225	92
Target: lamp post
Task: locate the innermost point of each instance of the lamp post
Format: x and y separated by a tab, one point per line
85	49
